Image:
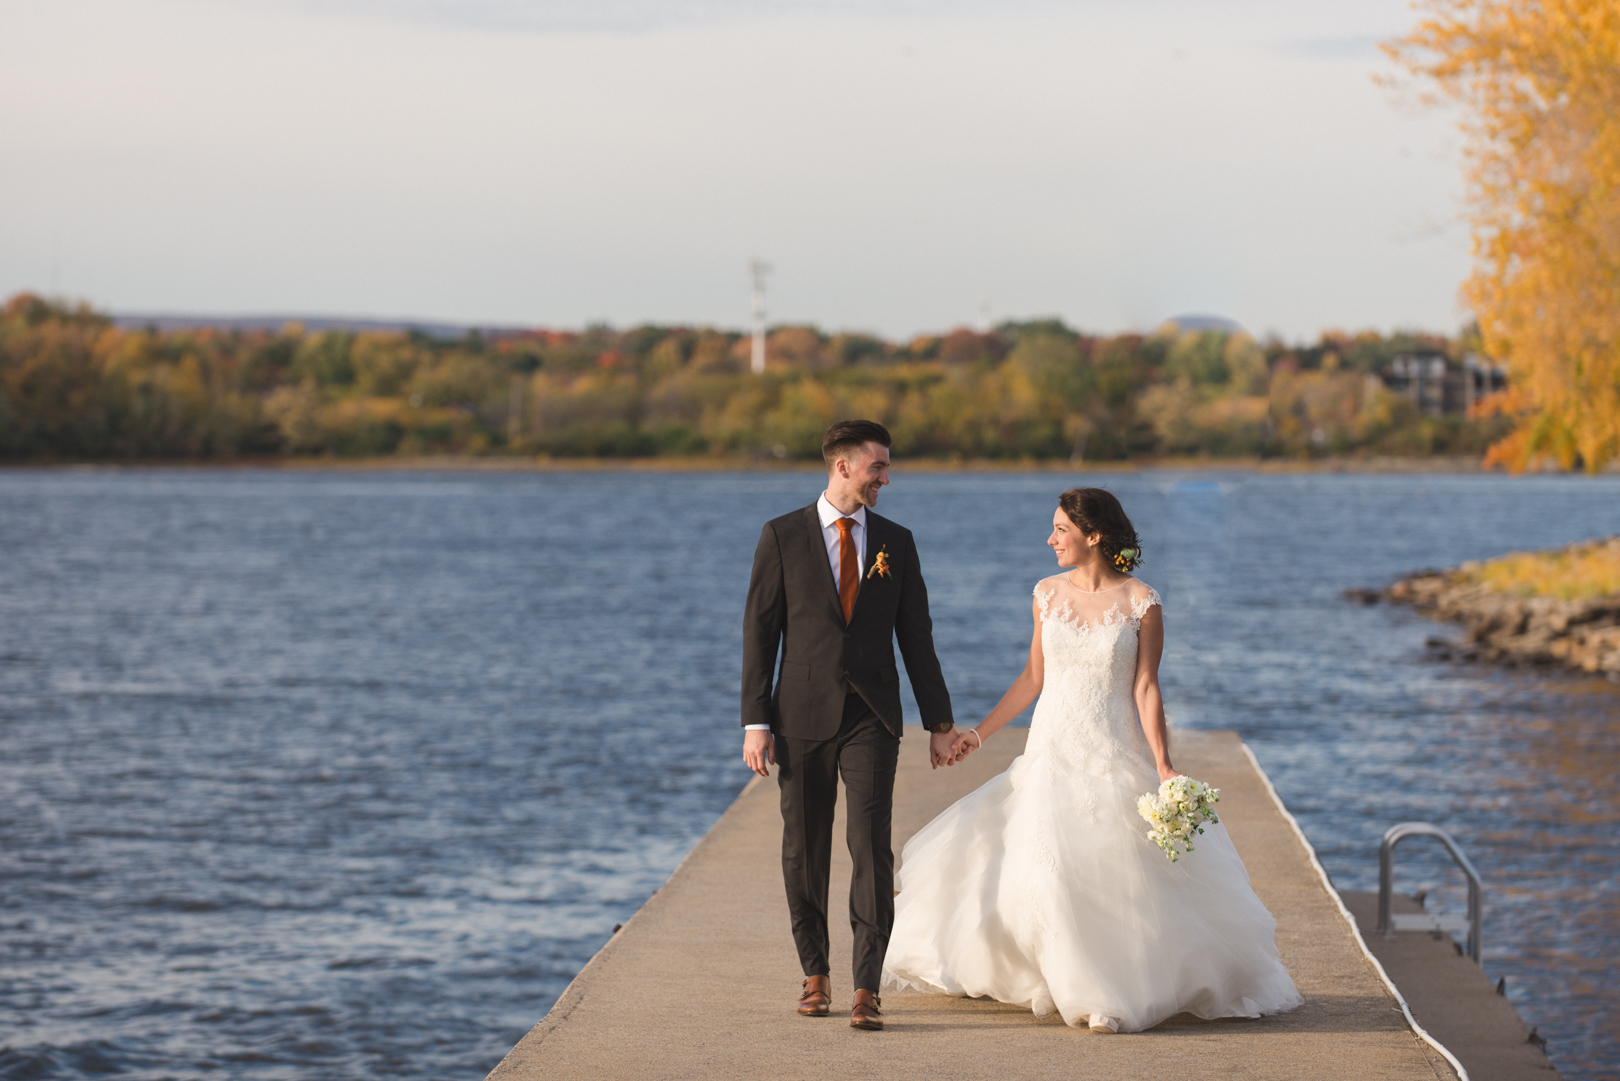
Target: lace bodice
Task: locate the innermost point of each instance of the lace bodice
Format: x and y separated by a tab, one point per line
1086	715
1056	597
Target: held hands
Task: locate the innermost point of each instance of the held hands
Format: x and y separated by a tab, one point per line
759	750
968	740
949	748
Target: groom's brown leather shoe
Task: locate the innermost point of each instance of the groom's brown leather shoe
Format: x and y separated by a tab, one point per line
866	1013
815	1000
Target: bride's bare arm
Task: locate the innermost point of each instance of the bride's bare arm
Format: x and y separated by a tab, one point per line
1024	690
1149	700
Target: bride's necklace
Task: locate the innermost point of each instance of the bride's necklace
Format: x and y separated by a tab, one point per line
1069	577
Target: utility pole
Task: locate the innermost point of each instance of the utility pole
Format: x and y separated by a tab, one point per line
758	270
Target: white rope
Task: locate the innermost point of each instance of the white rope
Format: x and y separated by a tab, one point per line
1422	1034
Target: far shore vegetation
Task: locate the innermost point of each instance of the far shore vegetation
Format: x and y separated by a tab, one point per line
75	387
1575	572
1560	606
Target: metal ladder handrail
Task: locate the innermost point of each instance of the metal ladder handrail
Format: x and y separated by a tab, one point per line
1386	880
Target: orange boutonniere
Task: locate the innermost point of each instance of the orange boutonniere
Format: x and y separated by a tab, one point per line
880	564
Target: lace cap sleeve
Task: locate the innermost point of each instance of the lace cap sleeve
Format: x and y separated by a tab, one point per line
1043	597
1141	604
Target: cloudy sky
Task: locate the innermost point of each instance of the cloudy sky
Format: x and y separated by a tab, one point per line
904	165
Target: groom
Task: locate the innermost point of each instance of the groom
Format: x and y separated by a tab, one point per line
833	587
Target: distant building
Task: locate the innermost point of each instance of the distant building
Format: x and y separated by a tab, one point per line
1193	324
1437	389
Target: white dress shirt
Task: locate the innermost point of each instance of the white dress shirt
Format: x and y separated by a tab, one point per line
829	532
829	516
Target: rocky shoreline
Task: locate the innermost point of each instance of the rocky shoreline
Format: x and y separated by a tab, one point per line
1513	628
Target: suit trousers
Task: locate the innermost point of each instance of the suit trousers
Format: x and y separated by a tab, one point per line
865	752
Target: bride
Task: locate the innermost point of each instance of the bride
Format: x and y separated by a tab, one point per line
1041	889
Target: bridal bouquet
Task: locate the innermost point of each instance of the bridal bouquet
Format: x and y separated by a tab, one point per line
1177	811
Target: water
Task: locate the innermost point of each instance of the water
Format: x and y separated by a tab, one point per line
338	775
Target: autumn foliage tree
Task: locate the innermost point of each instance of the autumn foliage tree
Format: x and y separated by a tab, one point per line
1539	85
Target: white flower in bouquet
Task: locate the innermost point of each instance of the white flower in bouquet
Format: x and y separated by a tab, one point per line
1176	812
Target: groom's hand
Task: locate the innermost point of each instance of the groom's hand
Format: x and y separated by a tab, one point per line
759	750
940	748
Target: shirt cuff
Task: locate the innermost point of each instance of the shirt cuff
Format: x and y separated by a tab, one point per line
756	728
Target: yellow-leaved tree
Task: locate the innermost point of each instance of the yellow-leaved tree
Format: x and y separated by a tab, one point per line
1539	85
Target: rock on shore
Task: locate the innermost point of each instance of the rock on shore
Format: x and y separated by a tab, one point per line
1583	633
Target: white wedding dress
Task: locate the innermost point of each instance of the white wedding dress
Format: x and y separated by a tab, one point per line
1041	888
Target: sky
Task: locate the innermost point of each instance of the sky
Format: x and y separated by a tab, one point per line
904	166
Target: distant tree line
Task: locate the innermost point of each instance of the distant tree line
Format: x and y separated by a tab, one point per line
73	386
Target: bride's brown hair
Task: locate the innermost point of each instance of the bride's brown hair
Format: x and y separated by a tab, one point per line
1096	510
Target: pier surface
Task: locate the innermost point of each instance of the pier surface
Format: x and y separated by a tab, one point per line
1451	997
702	982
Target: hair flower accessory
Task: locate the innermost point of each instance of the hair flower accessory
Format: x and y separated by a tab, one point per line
880	563
1127	558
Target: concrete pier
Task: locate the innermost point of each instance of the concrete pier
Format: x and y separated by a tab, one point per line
701	983
1452	998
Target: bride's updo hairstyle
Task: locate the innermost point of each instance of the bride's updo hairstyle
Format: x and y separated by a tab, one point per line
1096	510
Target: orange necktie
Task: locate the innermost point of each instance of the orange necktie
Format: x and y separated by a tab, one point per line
849	569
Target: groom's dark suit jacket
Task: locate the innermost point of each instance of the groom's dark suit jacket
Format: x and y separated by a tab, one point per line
793	605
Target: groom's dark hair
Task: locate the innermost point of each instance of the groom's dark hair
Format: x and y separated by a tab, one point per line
848	436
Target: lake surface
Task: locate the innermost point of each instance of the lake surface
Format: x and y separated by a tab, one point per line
342	775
